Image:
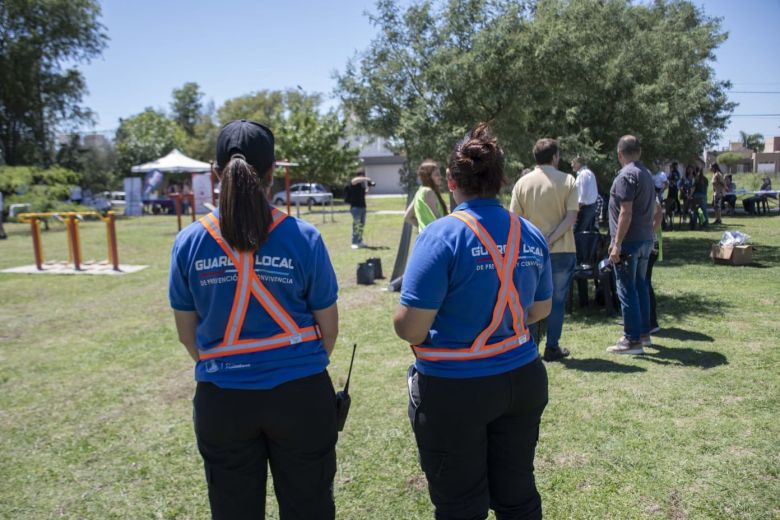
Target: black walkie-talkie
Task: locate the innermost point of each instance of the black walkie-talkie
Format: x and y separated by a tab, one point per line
342	398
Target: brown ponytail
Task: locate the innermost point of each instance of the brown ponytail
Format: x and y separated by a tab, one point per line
244	211
425	173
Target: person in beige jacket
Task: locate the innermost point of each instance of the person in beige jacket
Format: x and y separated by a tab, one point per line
549	199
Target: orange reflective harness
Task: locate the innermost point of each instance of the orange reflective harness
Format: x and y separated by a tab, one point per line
247	285
507	297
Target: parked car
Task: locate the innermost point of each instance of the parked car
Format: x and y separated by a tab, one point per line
308	193
116	199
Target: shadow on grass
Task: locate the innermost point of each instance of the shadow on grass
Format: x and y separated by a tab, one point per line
676	307
600	365
689	304
683	335
689	357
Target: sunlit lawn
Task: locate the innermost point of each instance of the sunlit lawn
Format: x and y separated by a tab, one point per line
95	413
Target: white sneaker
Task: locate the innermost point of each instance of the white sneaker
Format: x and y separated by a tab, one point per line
655	330
646	341
354	246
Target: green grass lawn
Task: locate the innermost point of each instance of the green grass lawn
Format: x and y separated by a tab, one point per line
95	412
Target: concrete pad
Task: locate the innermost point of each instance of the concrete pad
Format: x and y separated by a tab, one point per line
103	268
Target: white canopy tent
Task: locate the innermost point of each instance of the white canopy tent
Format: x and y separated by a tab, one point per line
174	162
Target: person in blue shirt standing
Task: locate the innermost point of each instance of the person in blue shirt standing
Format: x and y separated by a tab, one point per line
254	298
475	280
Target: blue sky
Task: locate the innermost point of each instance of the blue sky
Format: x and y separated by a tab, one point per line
235	47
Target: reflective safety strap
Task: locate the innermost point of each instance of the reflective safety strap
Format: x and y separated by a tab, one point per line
507	297
246	346
277	216
249	283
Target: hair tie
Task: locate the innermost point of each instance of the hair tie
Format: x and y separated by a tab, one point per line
238	156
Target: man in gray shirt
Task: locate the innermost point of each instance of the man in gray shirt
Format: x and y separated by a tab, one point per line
632	209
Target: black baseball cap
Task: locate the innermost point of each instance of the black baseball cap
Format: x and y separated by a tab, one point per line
248	138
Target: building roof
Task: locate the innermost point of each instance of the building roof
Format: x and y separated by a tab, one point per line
376	160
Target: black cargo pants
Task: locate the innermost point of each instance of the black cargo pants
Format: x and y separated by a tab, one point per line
291	427
477	440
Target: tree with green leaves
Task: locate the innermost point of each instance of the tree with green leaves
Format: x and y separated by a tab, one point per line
730	159
186	106
45	189
585	72
146	137
94	162
753	142
40	88
313	140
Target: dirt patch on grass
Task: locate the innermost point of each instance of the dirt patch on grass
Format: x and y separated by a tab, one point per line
571	459
177	387
417	483
361	297
676	510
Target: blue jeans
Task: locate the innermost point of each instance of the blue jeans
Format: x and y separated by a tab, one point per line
586	218
562	272
701	200
358	223
633	288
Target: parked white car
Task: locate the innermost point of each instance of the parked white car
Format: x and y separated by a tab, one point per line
304	193
118	200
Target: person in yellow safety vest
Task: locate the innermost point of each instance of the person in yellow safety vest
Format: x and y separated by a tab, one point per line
427	204
475	280
254	298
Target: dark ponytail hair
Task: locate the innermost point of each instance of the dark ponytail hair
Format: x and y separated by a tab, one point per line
477	163
244	211
425	173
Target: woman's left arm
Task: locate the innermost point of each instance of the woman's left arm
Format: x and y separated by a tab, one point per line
410	217
433	203
538	310
328	320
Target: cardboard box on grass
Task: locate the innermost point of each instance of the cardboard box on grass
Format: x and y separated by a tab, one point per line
731	255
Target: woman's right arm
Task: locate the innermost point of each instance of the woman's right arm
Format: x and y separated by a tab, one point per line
186	325
412	324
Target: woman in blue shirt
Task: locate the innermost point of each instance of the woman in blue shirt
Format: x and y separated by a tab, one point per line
475	281
254	298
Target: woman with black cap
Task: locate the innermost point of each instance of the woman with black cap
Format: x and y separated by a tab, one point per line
254	298
475	280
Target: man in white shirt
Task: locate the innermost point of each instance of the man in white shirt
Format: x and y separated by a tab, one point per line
587	193
661	181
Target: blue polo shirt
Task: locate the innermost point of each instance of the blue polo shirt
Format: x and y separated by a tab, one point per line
450	271
295	268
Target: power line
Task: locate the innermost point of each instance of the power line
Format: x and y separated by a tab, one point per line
756	83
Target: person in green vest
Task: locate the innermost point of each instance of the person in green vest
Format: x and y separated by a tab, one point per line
427	204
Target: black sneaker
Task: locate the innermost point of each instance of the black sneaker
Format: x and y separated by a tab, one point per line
554	353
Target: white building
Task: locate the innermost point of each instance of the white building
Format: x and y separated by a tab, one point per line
381	164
